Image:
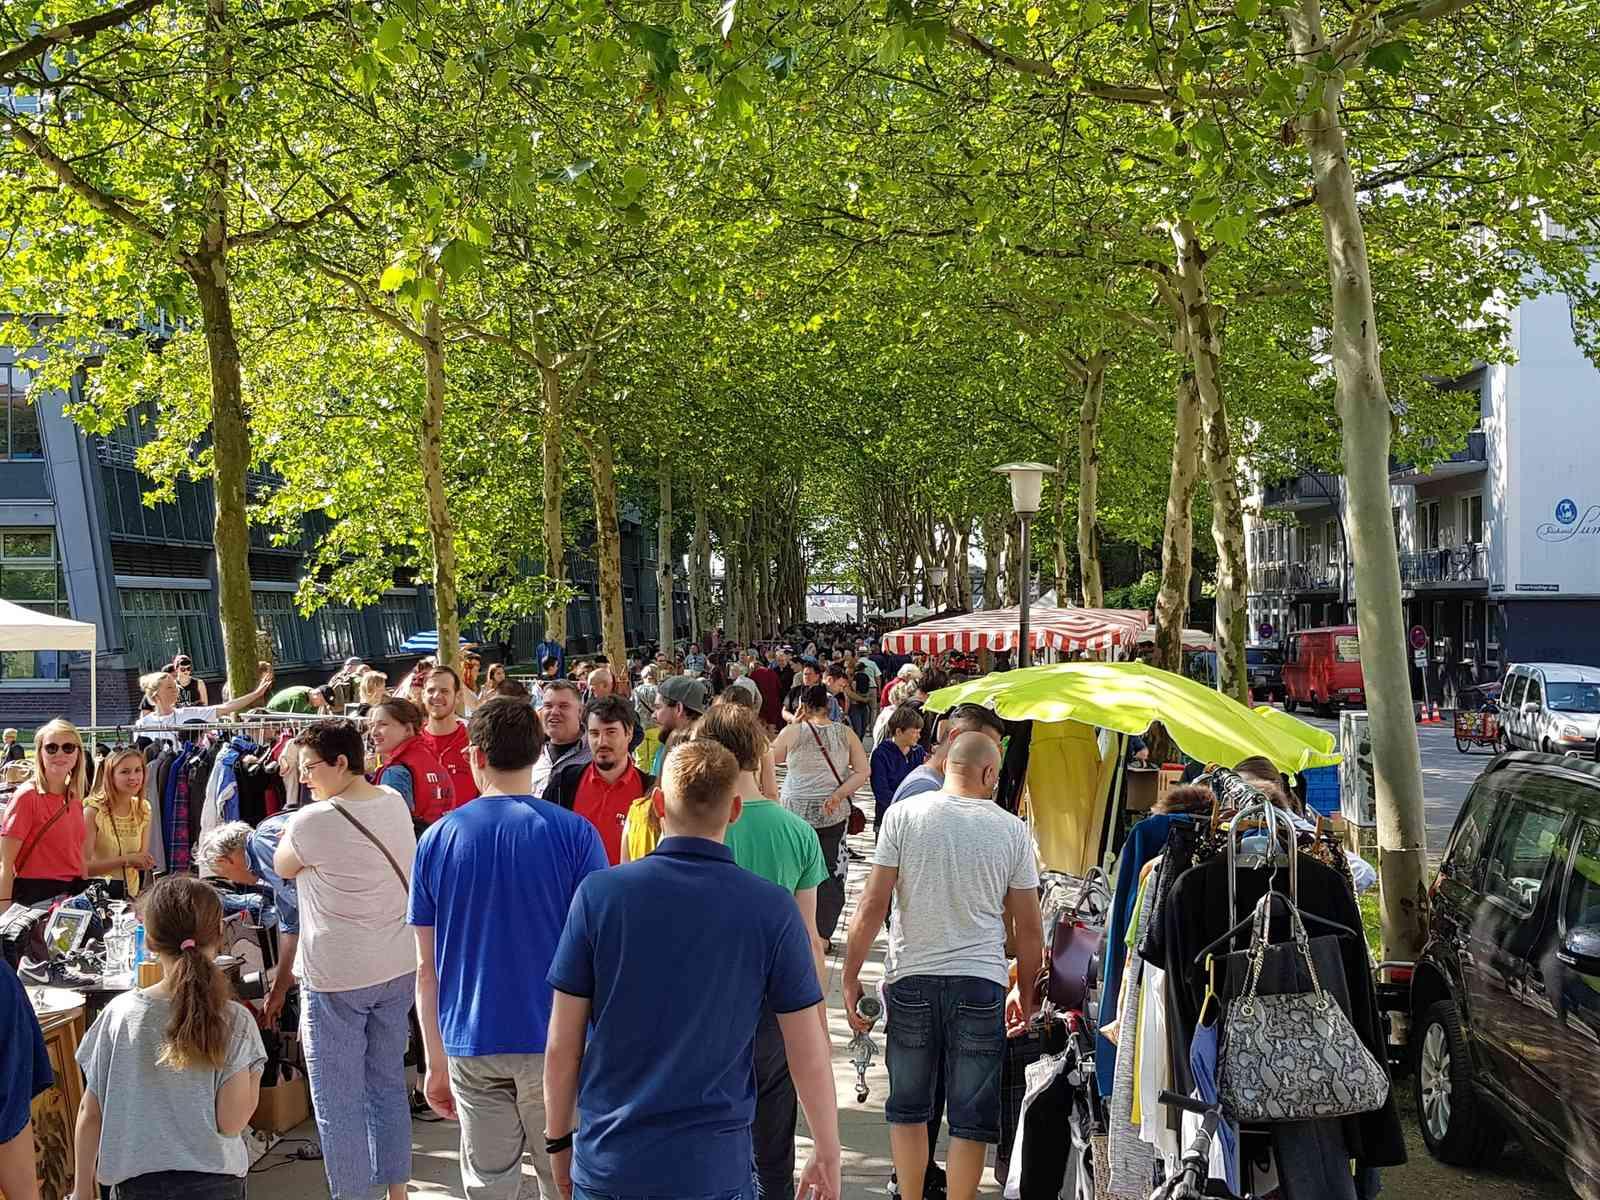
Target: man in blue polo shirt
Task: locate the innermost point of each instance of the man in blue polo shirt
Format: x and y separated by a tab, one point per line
660	979
489	894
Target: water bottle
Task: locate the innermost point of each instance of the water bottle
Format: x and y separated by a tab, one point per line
138	945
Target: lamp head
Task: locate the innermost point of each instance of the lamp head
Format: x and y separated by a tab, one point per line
1027	485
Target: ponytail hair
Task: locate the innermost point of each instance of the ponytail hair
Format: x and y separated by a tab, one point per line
183	920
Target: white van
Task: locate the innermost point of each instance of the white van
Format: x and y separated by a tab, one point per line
1554	707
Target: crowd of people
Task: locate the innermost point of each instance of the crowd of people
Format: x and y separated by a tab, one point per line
586	903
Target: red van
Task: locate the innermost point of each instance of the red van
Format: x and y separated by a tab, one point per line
1322	670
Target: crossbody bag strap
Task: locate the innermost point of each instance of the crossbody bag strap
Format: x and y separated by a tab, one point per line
32	843
373	838
826	757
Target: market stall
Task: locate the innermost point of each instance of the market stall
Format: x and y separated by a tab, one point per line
1094	630
23	629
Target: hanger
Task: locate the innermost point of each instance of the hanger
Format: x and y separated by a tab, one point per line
1211	989
1308	918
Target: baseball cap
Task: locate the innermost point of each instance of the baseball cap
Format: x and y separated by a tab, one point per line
693	694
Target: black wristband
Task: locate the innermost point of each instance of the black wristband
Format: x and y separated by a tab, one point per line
557	1145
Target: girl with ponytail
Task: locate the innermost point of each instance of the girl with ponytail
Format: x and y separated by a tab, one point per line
172	1072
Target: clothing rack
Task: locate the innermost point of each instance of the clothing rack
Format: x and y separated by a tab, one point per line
283	720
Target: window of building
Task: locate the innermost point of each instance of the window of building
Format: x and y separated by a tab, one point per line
21	419
1428	524
399	614
1472	519
338	625
30	575
276	617
160	623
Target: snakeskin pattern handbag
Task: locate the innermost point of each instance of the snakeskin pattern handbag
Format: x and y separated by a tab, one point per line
1293	1057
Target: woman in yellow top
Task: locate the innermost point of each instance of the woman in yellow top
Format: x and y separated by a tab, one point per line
117	822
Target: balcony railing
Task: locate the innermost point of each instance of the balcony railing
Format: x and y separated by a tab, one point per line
1294	577
1313	487
1448	564
1475	451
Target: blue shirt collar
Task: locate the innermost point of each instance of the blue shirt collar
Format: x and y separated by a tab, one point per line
694	847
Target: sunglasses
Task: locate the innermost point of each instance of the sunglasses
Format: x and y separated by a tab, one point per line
61	747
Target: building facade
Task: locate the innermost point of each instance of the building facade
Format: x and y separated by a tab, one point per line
77	540
1498	544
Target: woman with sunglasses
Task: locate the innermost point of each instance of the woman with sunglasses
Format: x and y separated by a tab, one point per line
42	832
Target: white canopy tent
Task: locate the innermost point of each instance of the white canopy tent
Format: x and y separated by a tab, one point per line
23	629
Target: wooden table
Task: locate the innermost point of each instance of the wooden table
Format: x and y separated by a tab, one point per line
55	1111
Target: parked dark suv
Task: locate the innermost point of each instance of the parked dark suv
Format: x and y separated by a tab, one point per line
1506	999
1265	667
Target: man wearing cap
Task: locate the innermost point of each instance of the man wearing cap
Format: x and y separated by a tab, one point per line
680	701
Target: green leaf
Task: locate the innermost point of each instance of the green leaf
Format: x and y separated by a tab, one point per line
479	231
395	275
1247	10
1390	57
1203	208
635	179
390	33
1034	14
452	72
459	257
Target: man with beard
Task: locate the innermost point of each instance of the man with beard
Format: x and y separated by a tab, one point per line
445	734
562	717
602	790
680	702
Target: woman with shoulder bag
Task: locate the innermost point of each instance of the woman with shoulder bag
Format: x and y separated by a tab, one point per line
827	766
349	853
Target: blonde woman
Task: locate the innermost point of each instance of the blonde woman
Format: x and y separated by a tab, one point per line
42	832
373	689
117	822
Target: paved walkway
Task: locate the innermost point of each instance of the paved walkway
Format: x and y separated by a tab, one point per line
435	1170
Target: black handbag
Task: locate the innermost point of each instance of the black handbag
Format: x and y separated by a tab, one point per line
1075	946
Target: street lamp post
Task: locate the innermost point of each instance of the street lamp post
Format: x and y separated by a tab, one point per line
1027	485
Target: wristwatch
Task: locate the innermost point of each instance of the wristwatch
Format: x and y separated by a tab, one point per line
557	1145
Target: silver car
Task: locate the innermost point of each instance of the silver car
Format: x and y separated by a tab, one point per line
1553	707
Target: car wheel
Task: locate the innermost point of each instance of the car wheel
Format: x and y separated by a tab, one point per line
1457	1125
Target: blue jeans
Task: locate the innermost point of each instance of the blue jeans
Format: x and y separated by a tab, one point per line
355	1044
951	1025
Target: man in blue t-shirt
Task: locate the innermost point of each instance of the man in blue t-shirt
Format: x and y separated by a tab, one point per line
24	1073
490	890
660	978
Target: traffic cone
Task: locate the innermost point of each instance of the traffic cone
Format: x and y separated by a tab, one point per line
1422	713
1437	719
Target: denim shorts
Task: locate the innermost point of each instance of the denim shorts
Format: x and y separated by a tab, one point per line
959	1021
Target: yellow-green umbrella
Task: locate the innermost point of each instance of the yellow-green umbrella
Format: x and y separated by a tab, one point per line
1319	740
1127	697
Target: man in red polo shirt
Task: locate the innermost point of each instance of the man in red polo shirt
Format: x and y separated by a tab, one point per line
445	734
603	790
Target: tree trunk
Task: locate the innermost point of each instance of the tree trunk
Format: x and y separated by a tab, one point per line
441	530
993	549
608	544
230	432
1363	407
1094	393
955	565
664	630
1061	568
555	550
963	597
1227	507
230	436
1177	538
700	571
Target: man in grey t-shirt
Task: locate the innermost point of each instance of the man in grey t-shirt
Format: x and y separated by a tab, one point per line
959	867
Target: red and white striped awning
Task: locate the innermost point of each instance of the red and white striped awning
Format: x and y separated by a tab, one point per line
996	629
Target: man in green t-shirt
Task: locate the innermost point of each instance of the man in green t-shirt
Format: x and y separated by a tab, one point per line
770	841
301	700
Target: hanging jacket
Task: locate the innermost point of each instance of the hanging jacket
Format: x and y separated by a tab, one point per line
222	803
432	794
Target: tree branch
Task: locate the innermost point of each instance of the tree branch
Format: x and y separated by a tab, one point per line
72	31
1365	29
377	311
1371	183
102	202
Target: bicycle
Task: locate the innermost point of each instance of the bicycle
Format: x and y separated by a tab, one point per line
1193	1181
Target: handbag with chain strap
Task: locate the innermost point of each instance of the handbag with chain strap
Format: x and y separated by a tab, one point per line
1294	1056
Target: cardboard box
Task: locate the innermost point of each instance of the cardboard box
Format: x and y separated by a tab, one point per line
1142	788
283	1106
